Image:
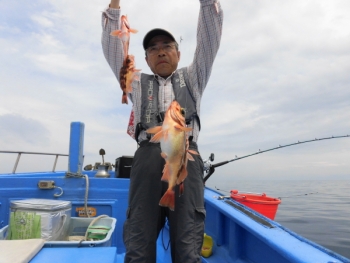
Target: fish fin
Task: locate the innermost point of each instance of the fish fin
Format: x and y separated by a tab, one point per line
166	175
182	128
157	137
128	89
116	33
181	189
182	175
133	30
155	129
193	152
124	99
189	157
189	152
168	199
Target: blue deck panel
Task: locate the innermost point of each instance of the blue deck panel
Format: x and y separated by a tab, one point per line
66	255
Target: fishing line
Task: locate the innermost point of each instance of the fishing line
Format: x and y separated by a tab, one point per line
243	192
211	167
297	195
222	190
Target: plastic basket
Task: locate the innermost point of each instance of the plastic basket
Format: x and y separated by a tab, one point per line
78	227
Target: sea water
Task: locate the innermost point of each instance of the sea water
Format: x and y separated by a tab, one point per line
317	210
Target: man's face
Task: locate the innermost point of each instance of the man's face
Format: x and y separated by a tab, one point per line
162	56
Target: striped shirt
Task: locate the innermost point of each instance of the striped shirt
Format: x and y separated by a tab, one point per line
208	41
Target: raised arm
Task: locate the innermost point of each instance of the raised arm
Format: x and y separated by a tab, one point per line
112	46
208	41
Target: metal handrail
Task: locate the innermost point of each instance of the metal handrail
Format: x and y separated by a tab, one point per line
37	153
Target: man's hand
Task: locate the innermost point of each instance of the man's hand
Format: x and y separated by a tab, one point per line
114	4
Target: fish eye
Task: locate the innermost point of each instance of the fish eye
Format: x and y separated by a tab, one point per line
182	111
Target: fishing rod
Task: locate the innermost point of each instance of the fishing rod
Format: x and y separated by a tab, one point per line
210	168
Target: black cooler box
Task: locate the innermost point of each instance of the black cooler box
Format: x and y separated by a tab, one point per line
123	166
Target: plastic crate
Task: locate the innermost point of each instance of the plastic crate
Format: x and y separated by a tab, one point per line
78	227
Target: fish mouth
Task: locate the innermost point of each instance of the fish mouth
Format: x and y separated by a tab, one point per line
126	23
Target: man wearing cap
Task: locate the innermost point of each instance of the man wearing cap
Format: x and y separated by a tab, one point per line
151	96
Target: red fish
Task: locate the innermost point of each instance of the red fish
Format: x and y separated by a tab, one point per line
174	144
127	71
127	76
124	34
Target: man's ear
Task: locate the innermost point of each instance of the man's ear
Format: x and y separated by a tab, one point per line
178	54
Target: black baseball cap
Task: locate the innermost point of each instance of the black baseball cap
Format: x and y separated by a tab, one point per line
156	32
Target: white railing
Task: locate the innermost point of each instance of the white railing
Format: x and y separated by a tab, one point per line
36	153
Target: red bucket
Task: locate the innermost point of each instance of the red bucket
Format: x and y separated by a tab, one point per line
261	203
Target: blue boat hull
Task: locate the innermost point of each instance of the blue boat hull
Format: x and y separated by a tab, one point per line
239	233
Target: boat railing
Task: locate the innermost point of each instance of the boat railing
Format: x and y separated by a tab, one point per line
19	154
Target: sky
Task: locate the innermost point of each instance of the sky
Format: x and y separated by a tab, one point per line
281	76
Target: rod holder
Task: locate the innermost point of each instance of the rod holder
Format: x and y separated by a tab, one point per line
76	147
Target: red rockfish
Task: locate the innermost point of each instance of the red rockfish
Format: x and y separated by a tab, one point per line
174	144
127	76
124	34
127	71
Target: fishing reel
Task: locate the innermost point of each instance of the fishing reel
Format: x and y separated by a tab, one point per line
207	163
209	168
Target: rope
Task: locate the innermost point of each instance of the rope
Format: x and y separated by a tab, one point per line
78	175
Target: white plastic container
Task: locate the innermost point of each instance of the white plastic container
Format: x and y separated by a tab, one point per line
54	217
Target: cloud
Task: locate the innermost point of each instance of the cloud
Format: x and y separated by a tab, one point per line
17	130
42	21
281	75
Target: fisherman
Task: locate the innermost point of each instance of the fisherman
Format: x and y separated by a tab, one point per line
151	96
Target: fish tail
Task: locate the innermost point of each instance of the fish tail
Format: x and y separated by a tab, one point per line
124	99
168	199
